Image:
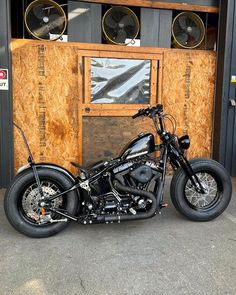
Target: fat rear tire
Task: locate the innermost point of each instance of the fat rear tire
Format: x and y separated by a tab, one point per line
180	183
13	202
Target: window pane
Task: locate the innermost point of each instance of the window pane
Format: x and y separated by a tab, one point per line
120	81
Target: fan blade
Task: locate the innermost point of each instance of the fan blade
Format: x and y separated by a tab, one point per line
117	14
111	33
42	32
127	20
190	22
121	36
182	21
195	33
182	38
56	23
110	22
38	11
130	31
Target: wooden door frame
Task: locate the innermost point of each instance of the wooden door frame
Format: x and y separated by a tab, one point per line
114	110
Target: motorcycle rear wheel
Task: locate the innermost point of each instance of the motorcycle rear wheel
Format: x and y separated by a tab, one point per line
196	206
22	198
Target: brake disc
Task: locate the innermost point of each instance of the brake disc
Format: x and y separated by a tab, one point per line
31	198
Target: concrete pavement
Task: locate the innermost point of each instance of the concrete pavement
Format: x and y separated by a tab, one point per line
164	255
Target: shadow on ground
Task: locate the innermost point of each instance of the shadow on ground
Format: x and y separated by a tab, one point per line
164	255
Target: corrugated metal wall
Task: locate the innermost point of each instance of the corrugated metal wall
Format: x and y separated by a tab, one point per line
225	104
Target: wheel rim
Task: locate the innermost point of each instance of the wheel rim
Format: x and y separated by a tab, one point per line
31	197
203	201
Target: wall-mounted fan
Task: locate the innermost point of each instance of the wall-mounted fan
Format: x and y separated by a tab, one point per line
188	30
120	25
45	20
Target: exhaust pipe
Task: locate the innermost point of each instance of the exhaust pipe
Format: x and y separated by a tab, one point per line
143	215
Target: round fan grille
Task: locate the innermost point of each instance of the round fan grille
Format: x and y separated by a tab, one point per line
45	20
188	30
120	25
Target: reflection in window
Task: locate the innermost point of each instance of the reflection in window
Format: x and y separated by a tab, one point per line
120	81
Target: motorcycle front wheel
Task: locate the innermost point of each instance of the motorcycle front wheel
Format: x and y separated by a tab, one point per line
22	198
202	206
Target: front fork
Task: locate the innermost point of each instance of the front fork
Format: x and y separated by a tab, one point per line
192	176
181	160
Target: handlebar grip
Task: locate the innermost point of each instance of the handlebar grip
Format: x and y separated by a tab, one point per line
136	116
159	107
141	112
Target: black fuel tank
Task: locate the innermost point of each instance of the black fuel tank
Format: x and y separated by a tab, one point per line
141	145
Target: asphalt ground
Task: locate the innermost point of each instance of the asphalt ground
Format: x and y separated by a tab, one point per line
164	255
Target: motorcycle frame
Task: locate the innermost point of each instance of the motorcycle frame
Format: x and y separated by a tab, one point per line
169	149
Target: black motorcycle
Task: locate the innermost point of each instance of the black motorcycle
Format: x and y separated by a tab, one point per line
44	197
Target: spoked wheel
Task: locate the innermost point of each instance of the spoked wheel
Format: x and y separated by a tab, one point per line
205	200
202	206
22	203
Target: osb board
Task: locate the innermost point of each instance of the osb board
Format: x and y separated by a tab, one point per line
101	142
188	92
45	91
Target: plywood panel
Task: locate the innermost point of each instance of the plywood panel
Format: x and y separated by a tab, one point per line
45	93
188	91
46	99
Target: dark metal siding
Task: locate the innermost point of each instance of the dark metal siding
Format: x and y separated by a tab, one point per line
6	126
224	145
156	27
84	22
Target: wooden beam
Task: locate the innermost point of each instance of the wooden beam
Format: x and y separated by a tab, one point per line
111	110
87	80
159	4
93	47
122	54
154	83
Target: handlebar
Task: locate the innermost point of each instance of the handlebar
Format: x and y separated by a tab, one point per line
149	112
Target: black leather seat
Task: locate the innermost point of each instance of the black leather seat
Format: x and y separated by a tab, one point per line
94	166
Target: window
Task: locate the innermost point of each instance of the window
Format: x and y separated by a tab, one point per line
120	81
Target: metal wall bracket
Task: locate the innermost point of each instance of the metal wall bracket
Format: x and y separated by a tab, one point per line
232	103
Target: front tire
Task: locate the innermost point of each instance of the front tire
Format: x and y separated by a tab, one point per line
197	206
22	197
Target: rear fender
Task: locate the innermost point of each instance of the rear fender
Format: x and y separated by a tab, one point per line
60	169
52	166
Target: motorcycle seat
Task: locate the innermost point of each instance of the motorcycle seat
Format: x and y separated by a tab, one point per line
94	166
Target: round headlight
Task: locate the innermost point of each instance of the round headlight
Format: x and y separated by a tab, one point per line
184	142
